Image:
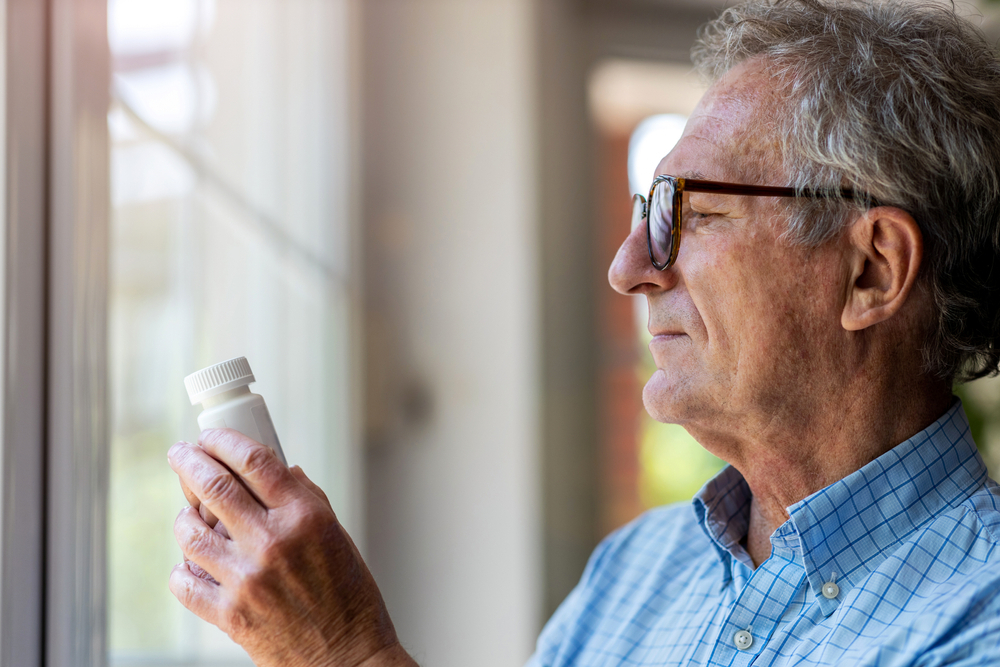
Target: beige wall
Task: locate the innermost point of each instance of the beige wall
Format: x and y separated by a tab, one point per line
450	224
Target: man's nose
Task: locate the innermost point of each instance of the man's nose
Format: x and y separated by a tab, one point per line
632	272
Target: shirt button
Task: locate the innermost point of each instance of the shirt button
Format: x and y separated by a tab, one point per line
743	640
830	589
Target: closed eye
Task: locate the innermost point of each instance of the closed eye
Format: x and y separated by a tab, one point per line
696	217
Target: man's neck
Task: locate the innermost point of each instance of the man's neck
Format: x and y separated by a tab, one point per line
790	466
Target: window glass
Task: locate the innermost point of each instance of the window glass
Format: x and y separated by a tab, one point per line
230	236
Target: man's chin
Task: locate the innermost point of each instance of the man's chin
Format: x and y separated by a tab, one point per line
666	399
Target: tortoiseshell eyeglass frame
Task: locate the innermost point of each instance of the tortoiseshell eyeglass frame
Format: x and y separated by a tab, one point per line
682	185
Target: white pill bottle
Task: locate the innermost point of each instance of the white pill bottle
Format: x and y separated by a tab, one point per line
224	393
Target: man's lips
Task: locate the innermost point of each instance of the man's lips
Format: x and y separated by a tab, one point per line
662	346
668	335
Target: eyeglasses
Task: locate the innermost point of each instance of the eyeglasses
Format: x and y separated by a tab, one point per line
663	228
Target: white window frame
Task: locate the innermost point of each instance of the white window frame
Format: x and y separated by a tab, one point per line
54	409
54	277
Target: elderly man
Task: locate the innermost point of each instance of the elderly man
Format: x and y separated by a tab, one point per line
821	257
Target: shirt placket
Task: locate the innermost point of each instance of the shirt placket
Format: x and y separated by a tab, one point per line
761	604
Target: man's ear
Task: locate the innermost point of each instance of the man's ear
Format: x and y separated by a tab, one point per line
886	248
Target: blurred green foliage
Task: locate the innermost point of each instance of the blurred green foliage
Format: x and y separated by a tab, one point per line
673	465
981	400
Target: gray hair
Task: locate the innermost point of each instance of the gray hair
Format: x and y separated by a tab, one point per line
900	101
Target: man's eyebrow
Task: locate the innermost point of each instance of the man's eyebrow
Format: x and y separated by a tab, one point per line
695	175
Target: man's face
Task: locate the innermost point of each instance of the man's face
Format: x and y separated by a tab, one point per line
744	322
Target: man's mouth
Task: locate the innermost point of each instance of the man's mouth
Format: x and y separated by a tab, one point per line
668	335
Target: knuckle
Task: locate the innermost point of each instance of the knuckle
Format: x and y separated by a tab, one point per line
193	539
311	521
247	575
181	454
182	523
219	486
276	550
298	522
295	534
200	542
236	621
225	438
258	458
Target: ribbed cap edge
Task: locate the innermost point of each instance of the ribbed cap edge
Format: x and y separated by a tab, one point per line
218	378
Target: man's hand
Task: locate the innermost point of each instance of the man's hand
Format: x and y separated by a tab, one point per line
289	584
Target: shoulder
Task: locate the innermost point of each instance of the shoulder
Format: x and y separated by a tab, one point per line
659	526
664	538
638	569
966	621
956	553
943	585
983	506
964	537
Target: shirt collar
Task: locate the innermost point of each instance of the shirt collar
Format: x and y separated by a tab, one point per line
849	527
723	510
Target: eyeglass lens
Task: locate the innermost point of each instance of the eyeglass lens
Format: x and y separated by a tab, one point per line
661	222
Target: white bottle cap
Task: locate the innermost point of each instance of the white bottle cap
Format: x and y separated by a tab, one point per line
216	379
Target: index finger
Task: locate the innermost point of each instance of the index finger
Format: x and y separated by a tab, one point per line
195	502
218	488
257	465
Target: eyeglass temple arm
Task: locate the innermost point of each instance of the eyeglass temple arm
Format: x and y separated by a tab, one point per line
695	185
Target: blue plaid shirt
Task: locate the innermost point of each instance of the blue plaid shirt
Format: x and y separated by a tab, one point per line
911	542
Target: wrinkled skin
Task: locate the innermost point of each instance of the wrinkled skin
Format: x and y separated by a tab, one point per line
283	578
